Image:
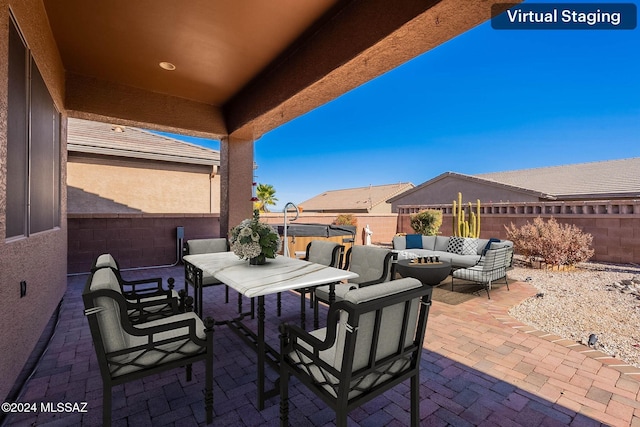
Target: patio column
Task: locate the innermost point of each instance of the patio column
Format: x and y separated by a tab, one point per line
236	179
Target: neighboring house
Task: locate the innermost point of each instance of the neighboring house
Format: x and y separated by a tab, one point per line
371	199
605	180
118	169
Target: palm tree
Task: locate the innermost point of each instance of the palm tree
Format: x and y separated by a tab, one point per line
266	196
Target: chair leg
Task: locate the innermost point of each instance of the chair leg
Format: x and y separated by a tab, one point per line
415	400
303	306
106	405
488	288
284	398
226	294
189	372
507	282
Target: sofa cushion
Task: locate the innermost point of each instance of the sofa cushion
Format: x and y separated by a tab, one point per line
441	243
429	242
399	243
414	241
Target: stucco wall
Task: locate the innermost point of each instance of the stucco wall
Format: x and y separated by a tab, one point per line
40	259
118	186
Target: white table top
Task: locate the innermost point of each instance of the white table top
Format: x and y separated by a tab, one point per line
277	275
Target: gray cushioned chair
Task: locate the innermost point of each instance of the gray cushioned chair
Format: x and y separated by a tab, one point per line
372	264
128	351
152	300
208	246
372	342
492	266
320	252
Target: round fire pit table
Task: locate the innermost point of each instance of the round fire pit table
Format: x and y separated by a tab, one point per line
431	273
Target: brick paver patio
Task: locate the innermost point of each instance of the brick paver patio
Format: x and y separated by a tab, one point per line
479	368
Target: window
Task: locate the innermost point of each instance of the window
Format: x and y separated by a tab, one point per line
33	146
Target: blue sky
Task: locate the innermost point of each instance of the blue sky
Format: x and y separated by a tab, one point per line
487	101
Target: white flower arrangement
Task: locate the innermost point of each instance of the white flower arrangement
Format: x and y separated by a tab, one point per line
252	239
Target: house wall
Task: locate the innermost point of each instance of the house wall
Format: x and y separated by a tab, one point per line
111	185
39	259
446	190
135	240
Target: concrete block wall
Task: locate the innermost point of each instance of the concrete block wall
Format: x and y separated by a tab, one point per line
135	240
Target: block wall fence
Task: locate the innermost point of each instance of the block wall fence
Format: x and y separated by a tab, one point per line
144	240
135	240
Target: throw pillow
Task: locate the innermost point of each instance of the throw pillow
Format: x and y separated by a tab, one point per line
455	245
469	247
414	241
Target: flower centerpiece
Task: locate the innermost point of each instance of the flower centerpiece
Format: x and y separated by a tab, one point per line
254	240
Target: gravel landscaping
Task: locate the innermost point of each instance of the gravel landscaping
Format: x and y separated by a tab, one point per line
595	298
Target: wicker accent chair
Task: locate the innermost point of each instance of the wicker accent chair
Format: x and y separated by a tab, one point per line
320	252
372	342
152	300
128	351
492	266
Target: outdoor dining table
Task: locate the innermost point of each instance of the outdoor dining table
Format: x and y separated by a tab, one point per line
277	275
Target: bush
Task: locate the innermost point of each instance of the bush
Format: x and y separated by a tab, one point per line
552	243
427	222
345	219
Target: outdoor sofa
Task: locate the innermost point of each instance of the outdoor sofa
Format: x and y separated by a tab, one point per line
462	252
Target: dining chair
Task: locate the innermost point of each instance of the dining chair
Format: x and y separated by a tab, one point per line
320	252
127	351
152	300
372	342
372	264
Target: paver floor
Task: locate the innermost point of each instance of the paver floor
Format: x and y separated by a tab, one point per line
479	368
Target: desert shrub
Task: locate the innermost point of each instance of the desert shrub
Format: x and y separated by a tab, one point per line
553	243
427	222
345	219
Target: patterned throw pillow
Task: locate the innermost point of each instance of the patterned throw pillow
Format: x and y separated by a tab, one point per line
455	245
469	247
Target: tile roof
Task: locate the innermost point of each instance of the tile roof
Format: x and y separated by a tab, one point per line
85	136
360	198
611	178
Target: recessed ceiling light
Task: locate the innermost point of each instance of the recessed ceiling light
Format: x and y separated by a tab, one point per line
167	66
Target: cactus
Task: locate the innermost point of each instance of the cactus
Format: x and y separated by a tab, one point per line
463	227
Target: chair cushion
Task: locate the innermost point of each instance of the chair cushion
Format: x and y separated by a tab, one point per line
322	292
368	263
113	336
205	246
106	260
321	252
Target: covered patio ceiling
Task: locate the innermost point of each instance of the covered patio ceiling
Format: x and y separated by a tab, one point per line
242	67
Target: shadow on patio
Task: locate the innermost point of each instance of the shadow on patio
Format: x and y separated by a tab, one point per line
479	368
